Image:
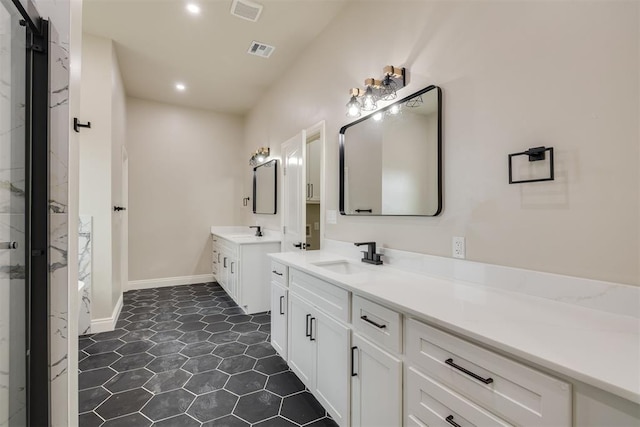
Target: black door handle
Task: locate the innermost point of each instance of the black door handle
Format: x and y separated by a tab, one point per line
468	372
275	272
119	208
281	301
449	419
377	325
353	358
307	333
311	329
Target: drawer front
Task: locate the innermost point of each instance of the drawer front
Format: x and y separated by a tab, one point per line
382	325
225	245
329	298
279	273
429	403
509	389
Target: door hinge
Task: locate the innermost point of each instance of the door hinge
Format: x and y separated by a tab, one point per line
284	171
284	229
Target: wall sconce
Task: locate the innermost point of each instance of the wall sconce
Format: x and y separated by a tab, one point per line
385	90
259	156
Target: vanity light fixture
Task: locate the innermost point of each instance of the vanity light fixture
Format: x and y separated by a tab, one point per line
193	9
353	106
259	156
370	101
385	90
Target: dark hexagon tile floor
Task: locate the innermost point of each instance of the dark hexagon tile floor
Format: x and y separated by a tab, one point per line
187	356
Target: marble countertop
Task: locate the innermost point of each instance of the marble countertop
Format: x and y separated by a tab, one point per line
245	235
596	347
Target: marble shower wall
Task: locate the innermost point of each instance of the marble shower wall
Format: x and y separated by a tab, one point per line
59	225
84	273
12	222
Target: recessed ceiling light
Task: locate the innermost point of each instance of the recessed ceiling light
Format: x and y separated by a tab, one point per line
193	8
180	86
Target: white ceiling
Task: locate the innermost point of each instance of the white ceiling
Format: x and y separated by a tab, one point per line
158	43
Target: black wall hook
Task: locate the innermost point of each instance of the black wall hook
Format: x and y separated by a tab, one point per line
77	125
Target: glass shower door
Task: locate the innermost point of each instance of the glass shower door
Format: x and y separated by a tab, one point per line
13	214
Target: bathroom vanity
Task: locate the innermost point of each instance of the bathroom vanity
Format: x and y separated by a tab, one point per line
240	264
387	346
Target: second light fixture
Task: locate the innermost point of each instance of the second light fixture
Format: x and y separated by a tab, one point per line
386	90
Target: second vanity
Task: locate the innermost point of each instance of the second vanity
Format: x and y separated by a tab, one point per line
381	346
240	264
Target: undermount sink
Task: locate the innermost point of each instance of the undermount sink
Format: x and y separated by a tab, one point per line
341	267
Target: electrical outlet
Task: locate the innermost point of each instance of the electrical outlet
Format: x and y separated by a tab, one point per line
459	248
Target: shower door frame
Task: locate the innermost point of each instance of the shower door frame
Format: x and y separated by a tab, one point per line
37	214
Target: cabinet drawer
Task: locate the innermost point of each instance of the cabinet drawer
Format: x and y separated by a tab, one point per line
329	298
279	273
431	404
382	325
509	389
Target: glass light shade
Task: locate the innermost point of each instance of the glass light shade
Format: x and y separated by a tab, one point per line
369	100
395	109
353	107
388	90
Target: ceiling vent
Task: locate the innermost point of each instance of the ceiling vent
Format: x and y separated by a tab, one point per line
260	49
246	9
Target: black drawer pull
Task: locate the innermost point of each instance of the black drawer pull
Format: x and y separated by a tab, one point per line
311	329
275	272
224	262
281	301
468	372
353	358
307	333
377	325
449	419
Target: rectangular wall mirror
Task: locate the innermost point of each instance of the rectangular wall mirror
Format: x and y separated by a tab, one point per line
265	188
391	160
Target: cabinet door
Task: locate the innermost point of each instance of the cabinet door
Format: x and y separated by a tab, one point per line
233	278
302	351
332	340
376	386
215	255
224	267
313	170
279	319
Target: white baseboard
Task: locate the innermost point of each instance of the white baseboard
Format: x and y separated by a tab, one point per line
169	281
107	324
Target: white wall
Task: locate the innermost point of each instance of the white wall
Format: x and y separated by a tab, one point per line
514	75
103	105
185	169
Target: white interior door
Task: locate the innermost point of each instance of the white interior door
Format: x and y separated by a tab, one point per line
294	196
124	226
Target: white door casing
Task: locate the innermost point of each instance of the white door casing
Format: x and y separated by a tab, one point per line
293	193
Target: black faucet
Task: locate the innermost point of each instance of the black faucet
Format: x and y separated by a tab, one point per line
258	230
370	256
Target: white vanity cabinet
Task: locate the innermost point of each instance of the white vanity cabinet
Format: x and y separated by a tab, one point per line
319	341
376	385
279	308
376	372
470	382
243	269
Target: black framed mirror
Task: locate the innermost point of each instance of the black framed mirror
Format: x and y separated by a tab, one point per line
391	160
265	188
